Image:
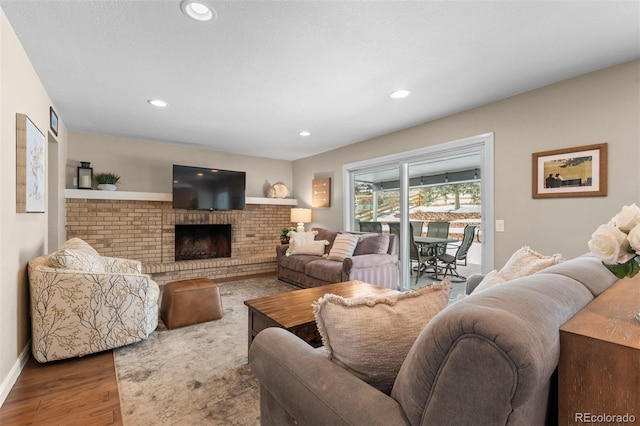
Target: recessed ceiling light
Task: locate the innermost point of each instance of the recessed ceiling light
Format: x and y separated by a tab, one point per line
158	103
305	133
399	94
198	10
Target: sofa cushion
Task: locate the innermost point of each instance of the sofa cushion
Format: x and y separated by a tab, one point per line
298	262
343	246
371	336
372	244
315	248
325	270
78	255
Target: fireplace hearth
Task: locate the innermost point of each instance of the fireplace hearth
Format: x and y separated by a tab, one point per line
202	241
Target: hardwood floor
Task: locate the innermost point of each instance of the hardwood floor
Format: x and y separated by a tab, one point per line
78	391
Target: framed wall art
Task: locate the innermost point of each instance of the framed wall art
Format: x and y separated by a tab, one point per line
53	121
30	163
321	192
571	172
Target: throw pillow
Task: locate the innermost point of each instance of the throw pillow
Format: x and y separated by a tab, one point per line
526	262
372	244
371	336
523	262
315	248
492	278
78	255
300	236
343	247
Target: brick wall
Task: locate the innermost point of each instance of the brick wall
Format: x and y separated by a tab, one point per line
144	230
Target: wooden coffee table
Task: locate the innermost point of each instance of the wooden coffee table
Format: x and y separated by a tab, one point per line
293	311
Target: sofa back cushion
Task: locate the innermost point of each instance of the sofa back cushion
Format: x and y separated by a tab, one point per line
372	244
498	348
78	255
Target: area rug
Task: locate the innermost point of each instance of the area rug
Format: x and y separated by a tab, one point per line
198	374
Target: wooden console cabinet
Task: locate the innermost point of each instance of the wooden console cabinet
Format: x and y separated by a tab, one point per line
599	368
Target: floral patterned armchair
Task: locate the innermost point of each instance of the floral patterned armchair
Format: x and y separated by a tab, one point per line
83	303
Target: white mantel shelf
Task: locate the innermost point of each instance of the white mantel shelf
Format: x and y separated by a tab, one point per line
158	196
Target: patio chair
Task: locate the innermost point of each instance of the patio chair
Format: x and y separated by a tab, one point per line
450	262
437	230
370	227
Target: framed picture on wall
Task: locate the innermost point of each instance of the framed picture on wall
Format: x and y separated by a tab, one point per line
321	192
571	172
53	121
30	163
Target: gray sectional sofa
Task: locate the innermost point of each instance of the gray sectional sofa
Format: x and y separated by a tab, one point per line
489	359
375	261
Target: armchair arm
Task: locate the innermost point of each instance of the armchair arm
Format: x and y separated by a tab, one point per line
379	269
311	388
368	261
122	266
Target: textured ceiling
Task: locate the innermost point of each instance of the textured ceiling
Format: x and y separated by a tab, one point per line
250	81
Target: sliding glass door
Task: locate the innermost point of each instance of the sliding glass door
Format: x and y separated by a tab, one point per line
448	185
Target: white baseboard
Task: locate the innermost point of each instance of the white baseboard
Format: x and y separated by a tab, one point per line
10	380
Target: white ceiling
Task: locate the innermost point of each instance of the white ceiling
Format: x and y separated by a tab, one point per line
250	81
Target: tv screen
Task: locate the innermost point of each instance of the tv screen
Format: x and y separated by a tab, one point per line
198	188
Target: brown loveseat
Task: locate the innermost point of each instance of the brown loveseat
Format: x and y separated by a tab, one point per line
488	359
375	261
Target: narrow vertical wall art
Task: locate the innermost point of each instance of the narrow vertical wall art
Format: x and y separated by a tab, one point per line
321	192
30	160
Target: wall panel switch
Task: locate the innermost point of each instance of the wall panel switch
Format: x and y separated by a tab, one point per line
499	225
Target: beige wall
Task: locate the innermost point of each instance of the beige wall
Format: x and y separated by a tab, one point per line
146	166
22	235
603	106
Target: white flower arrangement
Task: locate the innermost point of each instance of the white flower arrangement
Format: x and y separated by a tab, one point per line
617	244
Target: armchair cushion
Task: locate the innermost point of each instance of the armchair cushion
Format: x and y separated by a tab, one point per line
77	255
371	336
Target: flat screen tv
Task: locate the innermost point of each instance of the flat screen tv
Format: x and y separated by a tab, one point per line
199	188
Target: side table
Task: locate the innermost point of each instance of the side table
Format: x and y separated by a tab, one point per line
599	367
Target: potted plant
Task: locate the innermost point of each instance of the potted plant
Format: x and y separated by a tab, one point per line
284	235
107	181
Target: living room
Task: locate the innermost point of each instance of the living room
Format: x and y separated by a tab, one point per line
600	106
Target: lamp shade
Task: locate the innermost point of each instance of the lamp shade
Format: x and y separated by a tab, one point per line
301	215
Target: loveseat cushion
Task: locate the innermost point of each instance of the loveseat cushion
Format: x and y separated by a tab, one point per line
297	262
370	336
372	244
78	255
325	270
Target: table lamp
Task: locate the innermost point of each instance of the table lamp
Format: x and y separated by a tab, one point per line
301	216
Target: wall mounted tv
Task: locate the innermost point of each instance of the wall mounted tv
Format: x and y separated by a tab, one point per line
198	188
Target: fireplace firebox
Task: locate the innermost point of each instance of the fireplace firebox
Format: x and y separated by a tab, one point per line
202	241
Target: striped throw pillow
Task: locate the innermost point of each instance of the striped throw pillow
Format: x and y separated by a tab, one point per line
343	247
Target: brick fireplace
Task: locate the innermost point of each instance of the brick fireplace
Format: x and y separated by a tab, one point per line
145	231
